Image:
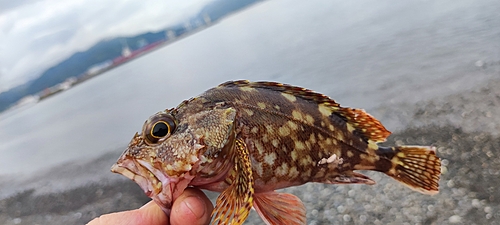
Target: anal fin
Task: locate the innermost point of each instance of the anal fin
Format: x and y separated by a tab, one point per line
280	208
234	203
346	178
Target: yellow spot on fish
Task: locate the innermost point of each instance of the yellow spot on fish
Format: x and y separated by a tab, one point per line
277	107
312	138
308	145
372	145
284	131
269	129
350	154
339	136
289	97
309	119
269	158
254	130
259	147
331	127
294	155
370	158
258	168
248	112
275	143
328	141
265	138
261	105
247	89
292	125
282	170
350	128
297	115
305	161
293	172
300	145
324	110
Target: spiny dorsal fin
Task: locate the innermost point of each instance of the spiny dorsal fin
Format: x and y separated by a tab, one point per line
299	92
364	124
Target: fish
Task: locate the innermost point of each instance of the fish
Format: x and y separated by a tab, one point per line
247	139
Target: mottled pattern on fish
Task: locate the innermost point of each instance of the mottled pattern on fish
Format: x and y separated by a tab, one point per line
247	139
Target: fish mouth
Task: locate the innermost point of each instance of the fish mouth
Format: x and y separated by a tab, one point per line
152	181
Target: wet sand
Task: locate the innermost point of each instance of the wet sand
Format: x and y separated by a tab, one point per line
465	128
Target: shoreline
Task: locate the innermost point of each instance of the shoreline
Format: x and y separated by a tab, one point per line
464	126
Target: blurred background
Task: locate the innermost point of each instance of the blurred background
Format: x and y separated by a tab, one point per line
79	78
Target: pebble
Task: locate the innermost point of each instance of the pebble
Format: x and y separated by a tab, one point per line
17	220
455	219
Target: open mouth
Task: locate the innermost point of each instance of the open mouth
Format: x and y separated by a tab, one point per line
135	171
155	183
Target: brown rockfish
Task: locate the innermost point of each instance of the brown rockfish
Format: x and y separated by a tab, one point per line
247	139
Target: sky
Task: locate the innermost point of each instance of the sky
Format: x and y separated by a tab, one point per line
37	34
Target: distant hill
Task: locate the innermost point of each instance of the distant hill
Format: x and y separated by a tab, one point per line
80	62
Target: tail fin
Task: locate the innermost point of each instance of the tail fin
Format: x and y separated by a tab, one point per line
416	166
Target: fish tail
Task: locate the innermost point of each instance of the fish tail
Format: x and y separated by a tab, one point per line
418	167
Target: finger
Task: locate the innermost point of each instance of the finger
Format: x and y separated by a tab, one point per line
148	214
192	207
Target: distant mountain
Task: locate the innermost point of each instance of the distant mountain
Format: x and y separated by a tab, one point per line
80	62
77	64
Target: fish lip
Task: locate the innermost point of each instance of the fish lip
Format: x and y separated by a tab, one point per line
136	173
157	185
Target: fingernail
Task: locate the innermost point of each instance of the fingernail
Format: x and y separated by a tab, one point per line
195	205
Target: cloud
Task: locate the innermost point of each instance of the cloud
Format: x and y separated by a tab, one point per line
37	34
7	5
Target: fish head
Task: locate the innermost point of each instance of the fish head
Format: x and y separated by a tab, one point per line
171	149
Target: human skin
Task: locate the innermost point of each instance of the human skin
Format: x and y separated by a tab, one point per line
192	207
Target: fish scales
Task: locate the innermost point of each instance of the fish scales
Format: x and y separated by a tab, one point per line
286	134
247	139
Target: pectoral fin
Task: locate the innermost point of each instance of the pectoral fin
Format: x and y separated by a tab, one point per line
234	203
280	208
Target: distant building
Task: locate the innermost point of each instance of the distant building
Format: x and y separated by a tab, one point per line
96	68
170	34
141	43
207	19
126	52
188	26
67	84
30	99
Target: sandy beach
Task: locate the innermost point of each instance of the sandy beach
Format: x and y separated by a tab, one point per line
464	127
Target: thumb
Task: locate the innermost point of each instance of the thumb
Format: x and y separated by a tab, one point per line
147	214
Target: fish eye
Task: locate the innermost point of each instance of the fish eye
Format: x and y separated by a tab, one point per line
160	129
160	126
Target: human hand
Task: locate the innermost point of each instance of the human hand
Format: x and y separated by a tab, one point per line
192	207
